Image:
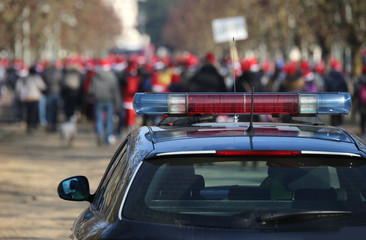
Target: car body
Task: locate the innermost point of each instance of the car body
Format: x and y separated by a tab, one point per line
186	179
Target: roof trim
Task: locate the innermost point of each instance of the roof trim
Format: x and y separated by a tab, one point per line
186	153
331	153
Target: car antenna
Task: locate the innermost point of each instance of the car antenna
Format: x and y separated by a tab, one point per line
233	51
250	129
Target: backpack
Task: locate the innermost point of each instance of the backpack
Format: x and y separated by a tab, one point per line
362	94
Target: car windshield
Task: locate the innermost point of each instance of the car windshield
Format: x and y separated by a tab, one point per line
250	193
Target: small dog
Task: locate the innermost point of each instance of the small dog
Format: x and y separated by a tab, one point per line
68	132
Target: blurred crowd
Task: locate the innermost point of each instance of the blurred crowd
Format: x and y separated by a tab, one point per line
101	90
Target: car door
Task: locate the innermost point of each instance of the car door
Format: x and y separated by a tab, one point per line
94	220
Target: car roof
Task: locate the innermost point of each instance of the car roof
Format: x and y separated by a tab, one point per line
267	136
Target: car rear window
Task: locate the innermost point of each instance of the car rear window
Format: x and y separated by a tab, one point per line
239	192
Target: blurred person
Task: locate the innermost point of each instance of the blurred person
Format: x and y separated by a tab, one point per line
168	78
128	92
308	76
104	87
360	97
43	108
319	75
2	76
88	100
29	89
335	82
292	81
145	73
11	79
278	75
207	78
12	74
267	71
122	77
71	90
250	77
225	70
175	84
161	77
42	104
52	77
188	67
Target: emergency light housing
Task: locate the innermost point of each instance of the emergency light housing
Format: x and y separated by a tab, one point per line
240	103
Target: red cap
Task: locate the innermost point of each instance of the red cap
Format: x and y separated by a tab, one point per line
105	63
245	66
320	67
291	68
335	64
305	68
210	57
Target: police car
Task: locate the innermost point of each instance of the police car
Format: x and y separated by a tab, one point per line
194	177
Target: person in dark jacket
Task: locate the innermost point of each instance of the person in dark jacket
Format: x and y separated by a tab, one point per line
207	79
335	82
52	76
71	90
105	89
250	77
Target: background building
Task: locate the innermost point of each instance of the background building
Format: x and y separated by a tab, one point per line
130	38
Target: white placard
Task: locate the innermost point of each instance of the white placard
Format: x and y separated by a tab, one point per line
225	29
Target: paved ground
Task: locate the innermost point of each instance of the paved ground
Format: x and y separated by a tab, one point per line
31	166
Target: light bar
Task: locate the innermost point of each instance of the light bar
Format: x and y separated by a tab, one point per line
240	103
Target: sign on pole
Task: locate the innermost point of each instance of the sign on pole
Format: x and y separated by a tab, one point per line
225	29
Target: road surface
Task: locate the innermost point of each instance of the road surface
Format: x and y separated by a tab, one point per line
31	166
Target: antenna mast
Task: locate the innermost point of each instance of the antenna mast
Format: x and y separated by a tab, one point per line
250	129
234	52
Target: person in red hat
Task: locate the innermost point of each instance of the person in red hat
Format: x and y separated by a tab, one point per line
319	75
335	82
188	65
105	89
360	96
207	79
132	86
293	81
250	77
308	76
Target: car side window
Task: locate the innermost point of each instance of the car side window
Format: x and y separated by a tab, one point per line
112	176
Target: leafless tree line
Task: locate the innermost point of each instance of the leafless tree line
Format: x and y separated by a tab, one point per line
35	28
276	25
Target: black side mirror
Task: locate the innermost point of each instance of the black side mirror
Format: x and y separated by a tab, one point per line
74	189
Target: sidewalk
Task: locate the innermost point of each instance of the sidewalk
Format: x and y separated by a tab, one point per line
32	167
